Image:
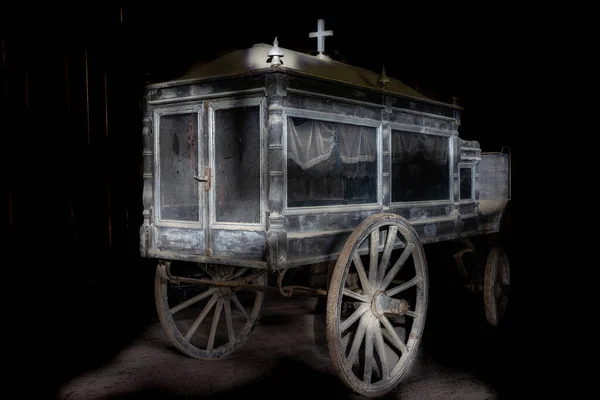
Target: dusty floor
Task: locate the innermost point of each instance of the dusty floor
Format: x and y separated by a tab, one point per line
116	349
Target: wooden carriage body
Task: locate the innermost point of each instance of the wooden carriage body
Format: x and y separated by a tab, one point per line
266	159
252	162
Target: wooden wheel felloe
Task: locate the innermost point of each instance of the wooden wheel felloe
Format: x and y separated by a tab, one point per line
496	284
205	321
377	304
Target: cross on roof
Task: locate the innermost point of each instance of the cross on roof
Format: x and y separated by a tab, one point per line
320	34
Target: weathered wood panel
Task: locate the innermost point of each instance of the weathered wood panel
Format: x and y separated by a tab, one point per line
432	229
337	107
422	107
421	211
437	124
467	208
215	88
311	249
325	221
248	245
470	151
468	224
406	118
493	177
312	86
180	239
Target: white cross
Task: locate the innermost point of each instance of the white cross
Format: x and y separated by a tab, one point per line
320	35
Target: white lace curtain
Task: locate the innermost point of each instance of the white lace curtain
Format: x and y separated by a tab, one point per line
312	141
406	146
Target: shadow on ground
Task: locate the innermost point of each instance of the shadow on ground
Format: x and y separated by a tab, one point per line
91	318
289	379
94	308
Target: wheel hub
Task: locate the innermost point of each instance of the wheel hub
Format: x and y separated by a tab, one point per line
383	304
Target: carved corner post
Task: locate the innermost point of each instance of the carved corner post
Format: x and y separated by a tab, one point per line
386	162
276	90
455	171
147	176
475	172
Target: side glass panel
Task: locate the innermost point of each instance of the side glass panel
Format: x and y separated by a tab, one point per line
420	167
237	164
330	163
466	183
178	147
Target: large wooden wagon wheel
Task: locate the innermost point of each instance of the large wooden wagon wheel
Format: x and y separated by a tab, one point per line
496	285
376	304
205	321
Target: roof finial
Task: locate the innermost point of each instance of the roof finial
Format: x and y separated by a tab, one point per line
383	79
454	100
320	34
275	54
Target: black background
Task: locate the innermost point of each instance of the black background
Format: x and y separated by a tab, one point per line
61	172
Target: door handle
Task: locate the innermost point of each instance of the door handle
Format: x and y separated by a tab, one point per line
205	179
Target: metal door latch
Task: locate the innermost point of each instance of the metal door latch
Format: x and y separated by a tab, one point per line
205	179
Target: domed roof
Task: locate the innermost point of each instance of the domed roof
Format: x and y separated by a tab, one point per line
255	60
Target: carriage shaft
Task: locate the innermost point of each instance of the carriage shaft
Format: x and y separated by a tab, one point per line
243	284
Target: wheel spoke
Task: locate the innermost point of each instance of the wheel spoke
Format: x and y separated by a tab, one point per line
239	306
208	271
229	321
215	324
345	340
193	300
392	336
217	321
359	312
240	272
400	288
369	339
354	295
380	348
387	252
397	266
357	341
373	333
201	317
374	255
362	275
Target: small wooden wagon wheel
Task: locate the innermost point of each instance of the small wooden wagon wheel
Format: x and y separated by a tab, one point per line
205	321
376	304
496	284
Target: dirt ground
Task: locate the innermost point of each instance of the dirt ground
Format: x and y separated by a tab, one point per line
116	349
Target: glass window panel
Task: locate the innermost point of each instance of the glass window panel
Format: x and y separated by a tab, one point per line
466	183
330	163
178	141
237	164
420	167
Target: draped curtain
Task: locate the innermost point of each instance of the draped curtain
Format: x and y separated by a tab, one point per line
310	142
406	146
